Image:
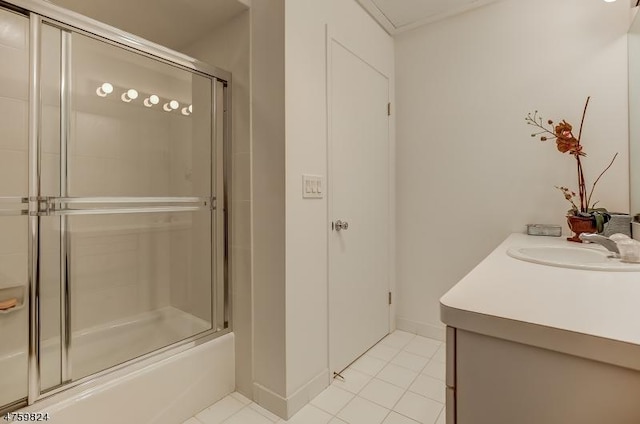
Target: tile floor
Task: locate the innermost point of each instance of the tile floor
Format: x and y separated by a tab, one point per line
398	381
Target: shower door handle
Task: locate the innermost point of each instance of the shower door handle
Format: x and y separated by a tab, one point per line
61	206
14	206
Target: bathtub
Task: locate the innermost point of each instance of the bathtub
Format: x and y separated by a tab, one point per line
165	389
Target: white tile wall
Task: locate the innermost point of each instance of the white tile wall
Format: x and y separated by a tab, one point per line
14	177
364	397
13	131
13	182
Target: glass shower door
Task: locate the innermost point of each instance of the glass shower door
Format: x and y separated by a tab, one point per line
112	241
14	190
136	204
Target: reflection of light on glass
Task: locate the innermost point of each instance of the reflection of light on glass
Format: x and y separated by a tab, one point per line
130	94
104	90
151	100
172	105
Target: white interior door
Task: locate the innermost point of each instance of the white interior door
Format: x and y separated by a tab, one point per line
359	196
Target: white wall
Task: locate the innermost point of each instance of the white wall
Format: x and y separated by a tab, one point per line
306	153
268	199
289	124
468	171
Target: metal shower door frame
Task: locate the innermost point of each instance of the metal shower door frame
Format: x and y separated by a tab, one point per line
40	13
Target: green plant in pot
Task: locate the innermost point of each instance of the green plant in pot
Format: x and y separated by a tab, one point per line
585	217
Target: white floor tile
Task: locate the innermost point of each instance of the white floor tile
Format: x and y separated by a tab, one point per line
409	360
423	346
398	339
267	414
332	399
383	393
441	354
310	415
353	381
430	387
384	352
241	398
398	381
362	411
435	369
419	408
248	416
395	418
369	365
220	411
397	375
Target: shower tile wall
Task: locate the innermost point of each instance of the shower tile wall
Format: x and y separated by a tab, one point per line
13	182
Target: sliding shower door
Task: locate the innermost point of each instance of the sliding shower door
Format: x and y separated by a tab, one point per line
112	206
135	204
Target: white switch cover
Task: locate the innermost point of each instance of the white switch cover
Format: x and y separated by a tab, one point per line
312	186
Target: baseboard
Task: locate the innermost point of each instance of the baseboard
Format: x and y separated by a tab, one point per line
285	408
269	400
437	332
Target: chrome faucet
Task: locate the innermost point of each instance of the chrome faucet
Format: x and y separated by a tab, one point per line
606	242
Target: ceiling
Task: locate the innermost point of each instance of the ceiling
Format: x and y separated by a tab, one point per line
177	24
171	23
401	15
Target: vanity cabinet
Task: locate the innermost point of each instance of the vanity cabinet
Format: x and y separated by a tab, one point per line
495	381
536	344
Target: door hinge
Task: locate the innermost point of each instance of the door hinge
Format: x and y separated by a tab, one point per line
389	109
389	298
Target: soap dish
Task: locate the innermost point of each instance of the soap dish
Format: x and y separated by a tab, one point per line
544	230
12	298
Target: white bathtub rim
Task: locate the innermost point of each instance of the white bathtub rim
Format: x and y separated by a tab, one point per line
122	374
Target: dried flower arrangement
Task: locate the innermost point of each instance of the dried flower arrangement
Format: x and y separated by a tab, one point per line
567	142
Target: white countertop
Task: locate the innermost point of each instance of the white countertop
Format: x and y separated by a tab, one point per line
593	314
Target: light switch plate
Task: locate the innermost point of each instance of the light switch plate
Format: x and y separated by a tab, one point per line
312	186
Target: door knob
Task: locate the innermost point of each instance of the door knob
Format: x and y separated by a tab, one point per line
340	225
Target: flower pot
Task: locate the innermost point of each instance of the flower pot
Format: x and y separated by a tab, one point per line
579	225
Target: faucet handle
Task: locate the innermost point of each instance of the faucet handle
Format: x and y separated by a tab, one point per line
589	236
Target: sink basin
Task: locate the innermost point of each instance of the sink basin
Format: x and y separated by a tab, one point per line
571	257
